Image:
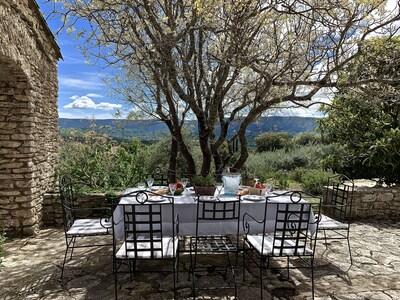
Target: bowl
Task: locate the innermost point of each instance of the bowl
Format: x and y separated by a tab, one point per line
178	192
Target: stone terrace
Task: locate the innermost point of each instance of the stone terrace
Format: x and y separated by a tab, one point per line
32	268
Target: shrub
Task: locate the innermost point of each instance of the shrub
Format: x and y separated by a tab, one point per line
281	179
306	138
313	181
270	141
96	163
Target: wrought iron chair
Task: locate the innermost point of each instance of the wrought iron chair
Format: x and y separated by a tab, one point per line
149	233
209	212
76	227
336	210
295	226
160	178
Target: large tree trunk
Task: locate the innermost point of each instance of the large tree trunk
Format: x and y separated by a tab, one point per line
173	158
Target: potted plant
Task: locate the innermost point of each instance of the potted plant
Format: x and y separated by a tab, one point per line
204	185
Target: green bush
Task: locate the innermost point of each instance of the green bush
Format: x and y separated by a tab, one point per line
270	141
306	138
281	179
313	181
97	163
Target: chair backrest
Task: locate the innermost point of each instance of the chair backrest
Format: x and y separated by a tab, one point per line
67	201
291	234
143	225
160	178
219	211
339	198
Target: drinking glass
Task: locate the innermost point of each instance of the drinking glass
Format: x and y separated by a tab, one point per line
219	186
268	188
141	185
150	182
172	188
184	182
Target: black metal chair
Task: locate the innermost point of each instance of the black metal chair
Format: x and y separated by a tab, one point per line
78	227
214	211
295	226
150	232
160	177
336	210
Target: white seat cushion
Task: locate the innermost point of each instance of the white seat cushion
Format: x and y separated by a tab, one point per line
89	227
329	223
256	241
167	249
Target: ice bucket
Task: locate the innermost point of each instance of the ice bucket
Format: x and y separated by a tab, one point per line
231	183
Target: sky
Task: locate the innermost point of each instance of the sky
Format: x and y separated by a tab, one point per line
82	92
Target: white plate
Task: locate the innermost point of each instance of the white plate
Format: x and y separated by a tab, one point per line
156	199
253	197
207	198
158	187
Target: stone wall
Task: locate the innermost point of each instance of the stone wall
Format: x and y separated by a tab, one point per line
28	114
376	203
52	213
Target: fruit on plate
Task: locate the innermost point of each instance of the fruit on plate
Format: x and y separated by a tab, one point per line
260	185
179	185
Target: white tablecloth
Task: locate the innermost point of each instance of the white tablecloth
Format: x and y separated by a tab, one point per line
186	207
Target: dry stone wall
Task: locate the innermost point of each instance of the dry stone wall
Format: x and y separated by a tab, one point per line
376	203
28	114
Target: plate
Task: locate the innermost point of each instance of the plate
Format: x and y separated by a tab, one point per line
207	198
156	199
158	187
253	197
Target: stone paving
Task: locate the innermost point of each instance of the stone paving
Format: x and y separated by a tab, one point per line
32	269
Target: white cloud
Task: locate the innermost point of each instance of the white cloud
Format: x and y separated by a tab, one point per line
85	102
92	95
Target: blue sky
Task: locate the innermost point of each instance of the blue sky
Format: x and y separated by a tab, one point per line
82	92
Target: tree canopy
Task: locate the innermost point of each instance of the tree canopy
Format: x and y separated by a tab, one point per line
225	61
366	118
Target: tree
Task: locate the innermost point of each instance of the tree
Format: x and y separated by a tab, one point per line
223	61
366	118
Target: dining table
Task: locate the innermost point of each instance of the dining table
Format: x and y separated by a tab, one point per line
185	205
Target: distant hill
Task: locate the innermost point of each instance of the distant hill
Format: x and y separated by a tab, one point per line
150	130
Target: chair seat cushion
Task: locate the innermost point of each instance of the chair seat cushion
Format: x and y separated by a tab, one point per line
289	250
327	223
167	249
89	227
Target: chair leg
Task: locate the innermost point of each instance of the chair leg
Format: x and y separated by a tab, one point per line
326	240
348	244
65	258
73	246
115	281
312	280
261	276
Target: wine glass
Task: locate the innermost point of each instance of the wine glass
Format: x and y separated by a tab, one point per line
219	186
150	181
184	181
172	188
